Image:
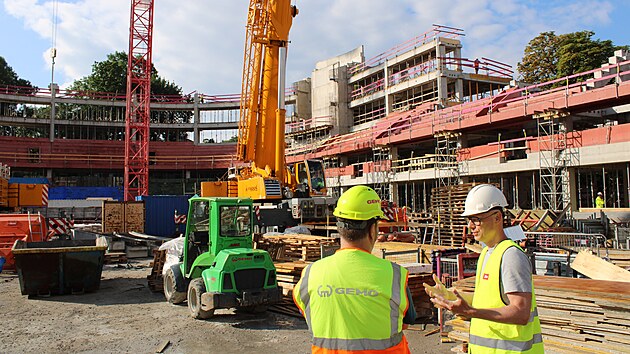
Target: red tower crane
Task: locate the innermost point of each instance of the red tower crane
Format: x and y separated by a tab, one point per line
138	99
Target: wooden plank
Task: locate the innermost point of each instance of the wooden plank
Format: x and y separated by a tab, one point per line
597	268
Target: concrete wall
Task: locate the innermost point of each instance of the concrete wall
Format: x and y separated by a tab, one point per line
329	88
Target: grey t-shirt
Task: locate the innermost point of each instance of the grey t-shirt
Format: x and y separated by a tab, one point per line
516	272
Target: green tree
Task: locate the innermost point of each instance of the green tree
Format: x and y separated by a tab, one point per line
549	56
539	63
110	76
9	77
578	52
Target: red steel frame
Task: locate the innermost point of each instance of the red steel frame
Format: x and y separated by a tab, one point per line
138	99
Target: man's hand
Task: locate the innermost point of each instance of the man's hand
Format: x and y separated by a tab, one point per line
439	290
443	298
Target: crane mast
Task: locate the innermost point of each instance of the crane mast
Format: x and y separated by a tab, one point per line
262	113
138	99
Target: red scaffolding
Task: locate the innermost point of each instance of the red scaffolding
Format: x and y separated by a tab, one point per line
138	99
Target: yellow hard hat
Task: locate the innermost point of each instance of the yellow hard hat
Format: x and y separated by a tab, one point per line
359	203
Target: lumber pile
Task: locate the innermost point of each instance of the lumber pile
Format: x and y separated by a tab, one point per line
595	267
447	205
294	247
288	274
620	258
155	279
576	315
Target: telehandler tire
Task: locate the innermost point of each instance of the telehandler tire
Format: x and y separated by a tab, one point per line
195	289
170	286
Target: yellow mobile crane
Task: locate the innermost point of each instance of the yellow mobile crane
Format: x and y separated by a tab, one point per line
285	195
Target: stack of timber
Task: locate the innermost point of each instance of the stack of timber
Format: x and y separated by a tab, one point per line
620	258
294	247
447	205
288	274
576	315
155	279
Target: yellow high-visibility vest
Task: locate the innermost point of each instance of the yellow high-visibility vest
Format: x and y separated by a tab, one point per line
353	301
494	337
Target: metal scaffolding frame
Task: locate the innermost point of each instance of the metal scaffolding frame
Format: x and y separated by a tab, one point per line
552	159
446	166
382	171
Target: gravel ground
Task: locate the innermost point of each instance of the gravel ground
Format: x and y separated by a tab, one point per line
124	316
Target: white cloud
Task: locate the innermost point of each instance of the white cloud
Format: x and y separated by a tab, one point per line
199	45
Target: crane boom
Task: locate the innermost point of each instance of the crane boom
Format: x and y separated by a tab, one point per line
262	114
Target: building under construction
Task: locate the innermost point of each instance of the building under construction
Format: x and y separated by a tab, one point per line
418	116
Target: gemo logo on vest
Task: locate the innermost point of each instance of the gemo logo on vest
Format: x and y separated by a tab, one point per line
327	291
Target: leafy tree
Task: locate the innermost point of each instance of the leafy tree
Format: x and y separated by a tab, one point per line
549	56
9	77
110	76
578	53
539	64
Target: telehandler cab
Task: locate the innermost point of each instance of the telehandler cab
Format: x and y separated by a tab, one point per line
219	267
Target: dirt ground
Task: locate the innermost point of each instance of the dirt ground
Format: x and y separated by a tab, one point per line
125	316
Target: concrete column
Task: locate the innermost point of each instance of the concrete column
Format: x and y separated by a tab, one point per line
393	187
441	78
571	177
388	104
459	89
196	119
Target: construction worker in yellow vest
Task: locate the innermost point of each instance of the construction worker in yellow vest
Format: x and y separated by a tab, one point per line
599	201
503	313
354	301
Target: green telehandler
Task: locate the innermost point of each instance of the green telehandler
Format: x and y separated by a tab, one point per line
219	268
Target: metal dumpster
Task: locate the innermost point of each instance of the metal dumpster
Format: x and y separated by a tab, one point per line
59	267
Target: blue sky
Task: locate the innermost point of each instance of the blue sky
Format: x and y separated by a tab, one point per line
199	44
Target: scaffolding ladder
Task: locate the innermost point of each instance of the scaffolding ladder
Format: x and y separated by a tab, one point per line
446	171
553	159
381	176
446	165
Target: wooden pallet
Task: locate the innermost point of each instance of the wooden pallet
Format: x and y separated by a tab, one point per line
447	205
294	247
115	258
155	279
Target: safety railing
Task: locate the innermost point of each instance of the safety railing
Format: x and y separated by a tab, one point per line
308	124
569	241
426	37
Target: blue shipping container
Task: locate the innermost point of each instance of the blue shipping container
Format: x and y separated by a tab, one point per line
29	180
160	213
66	193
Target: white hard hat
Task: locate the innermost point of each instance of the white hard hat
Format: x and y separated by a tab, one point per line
483	198
600	193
